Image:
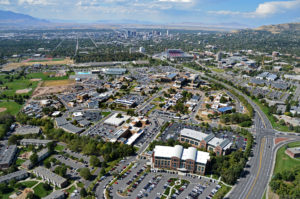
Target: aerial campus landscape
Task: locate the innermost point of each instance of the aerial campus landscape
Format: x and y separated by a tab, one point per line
140	109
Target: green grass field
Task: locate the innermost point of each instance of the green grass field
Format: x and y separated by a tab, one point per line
15	85
19	162
19	84
55	59
12	107
45	76
40	191
28	184
285	162
59	147
71	189
105	113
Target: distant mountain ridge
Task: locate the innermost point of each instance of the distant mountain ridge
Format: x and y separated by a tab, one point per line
12	19
280	27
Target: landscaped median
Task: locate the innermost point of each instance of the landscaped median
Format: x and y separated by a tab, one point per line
111	165
221	193
175	187
130	186
106	192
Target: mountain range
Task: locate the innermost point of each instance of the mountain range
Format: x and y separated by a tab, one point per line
12	20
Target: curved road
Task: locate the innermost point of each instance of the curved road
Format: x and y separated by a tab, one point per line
254	180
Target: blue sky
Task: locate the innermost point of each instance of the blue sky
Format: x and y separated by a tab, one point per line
248	12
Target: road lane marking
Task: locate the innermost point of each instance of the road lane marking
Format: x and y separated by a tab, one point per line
259	168
262	118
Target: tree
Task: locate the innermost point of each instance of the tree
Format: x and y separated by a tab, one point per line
223	99
102	171
85	173
47	186
51	146
4	188
34	159
94	161
208	106
12	140
47	164
119	115
61	170
83	192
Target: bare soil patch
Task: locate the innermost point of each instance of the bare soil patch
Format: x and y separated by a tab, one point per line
64	82
22	91
41	91
2	109
35	80
12	66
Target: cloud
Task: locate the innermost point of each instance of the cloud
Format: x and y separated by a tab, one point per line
4	2
266	9
35	2
177	1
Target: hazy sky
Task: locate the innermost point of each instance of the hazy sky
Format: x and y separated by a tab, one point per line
249	12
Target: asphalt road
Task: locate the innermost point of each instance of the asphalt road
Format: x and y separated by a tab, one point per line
254	180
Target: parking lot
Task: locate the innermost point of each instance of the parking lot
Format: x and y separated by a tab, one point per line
172	132
69	162
139	184
102	130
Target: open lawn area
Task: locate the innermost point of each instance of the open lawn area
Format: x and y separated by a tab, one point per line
19	84
57	61
28	184
218	70
19	162
58	82
59	147
71	189
40	191
45	76
11	107
105	113
285	162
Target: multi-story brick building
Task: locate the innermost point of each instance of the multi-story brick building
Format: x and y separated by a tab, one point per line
180	159
205	141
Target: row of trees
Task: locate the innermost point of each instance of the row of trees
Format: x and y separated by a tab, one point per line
6	120
230	167
120	56
86	145
237	118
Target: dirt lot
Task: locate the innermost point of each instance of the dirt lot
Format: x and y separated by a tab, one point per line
64	82
11	66
36	80
40	91
2	109
52	87
22	91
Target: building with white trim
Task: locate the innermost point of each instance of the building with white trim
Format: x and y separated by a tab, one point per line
205	141
180	159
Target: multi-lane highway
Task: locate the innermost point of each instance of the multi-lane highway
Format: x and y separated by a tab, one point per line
254	180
